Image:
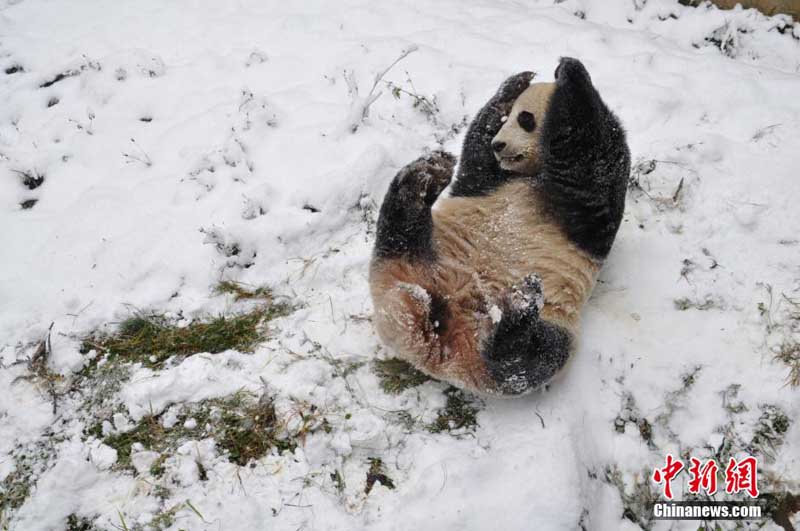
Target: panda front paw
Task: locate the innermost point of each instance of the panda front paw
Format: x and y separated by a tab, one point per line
512	87
426	178
571	70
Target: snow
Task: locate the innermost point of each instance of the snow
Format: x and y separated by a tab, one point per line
75	485
248	170
495	313
199	377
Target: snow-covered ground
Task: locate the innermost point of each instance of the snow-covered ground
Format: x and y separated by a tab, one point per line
172	145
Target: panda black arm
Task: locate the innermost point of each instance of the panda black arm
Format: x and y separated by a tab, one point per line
586	163
405	223
478	169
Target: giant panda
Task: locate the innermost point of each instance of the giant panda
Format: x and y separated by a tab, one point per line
485	290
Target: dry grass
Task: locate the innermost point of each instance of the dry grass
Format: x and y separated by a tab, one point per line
781	317
40	374
790	355
240	291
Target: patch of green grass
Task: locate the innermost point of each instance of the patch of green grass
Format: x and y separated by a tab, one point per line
94	430
397	375
241	292
157	467
151	339
149	432
460	412
244	429
377	473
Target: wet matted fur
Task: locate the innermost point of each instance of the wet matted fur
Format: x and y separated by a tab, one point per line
485	291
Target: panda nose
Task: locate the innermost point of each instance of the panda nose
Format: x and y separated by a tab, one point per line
498	146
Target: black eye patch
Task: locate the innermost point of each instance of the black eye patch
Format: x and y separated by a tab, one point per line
526	121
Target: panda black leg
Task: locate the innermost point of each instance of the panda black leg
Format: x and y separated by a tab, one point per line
405	223
525	351
478	171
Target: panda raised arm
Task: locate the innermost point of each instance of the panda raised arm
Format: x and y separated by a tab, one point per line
478	170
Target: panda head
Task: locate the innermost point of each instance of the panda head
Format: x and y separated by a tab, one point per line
567	113
517	146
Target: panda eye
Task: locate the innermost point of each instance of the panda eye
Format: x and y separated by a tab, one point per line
526	121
